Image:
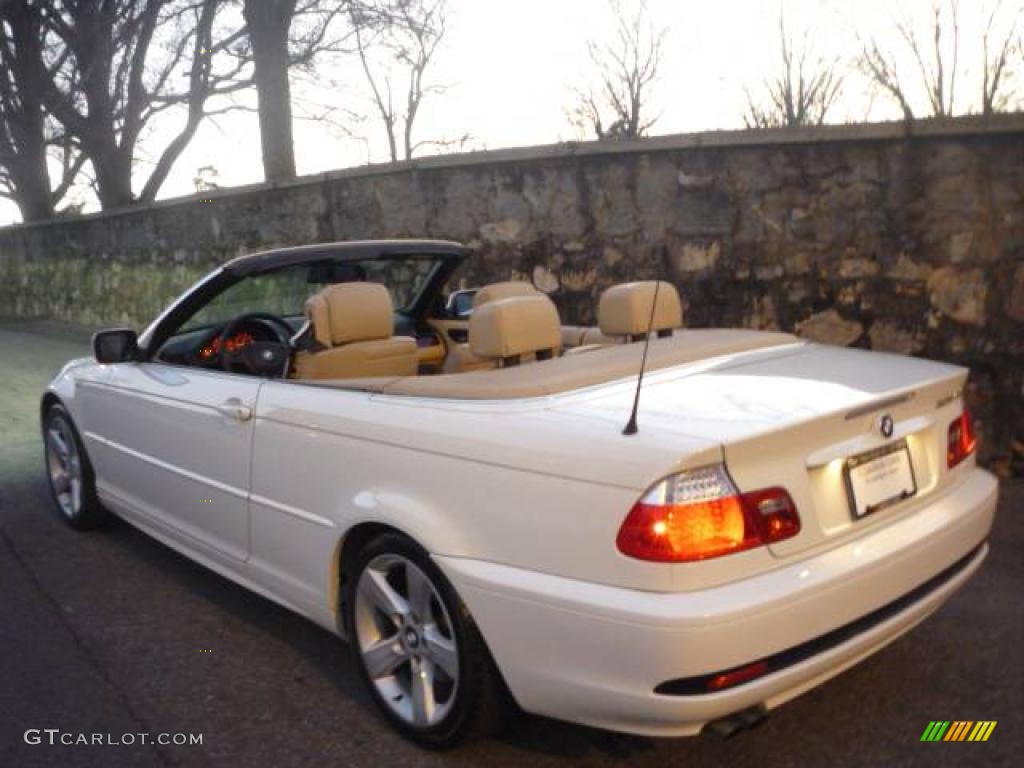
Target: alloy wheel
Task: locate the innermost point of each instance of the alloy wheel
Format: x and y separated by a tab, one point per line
406	640
64	467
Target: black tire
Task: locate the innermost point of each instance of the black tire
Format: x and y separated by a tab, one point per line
479	699
82	511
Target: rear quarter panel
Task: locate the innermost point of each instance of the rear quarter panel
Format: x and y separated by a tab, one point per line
509	483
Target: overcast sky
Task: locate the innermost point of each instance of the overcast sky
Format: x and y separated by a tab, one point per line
510	68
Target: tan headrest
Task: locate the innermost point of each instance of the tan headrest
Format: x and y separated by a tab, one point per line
505	290
519	325
347	312
625	309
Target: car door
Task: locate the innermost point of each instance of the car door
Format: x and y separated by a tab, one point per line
171	434
173	444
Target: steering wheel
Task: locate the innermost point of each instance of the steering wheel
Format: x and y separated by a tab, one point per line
263	358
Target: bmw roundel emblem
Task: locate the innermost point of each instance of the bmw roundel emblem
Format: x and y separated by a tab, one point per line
885	425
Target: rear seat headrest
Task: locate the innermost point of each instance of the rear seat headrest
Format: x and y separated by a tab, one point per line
503	290
625	309
519	325
347	312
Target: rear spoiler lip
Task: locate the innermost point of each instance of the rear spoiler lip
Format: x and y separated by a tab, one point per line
865	442
878	405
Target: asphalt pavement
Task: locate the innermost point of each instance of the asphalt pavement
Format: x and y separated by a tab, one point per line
112	633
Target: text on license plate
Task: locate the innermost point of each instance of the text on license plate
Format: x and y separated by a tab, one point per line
879	478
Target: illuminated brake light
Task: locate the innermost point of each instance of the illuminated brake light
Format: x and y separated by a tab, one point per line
961	440
699	514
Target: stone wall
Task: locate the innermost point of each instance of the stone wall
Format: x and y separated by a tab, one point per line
909	240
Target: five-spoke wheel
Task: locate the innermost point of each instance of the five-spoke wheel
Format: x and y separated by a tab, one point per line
69	471
417	646
406	640
64	466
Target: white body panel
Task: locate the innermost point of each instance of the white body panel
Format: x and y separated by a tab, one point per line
198	485
520	501
598	652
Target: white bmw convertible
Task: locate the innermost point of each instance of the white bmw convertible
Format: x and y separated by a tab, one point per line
631	526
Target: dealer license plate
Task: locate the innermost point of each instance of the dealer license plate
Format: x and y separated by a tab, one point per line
879	478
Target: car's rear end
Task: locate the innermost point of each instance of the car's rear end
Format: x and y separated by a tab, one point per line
846	506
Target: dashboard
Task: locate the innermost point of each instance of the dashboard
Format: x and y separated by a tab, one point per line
202	347
239	340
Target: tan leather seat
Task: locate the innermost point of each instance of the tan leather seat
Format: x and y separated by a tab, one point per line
503	290
508	331
460	358
573	335
351	324
624	311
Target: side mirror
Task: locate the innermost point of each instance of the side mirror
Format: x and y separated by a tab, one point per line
460	303
117	345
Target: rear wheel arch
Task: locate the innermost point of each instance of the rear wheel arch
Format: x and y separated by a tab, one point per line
421	524
354	539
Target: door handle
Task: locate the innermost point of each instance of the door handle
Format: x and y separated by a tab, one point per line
234	409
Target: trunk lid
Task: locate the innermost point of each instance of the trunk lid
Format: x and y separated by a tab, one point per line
795	416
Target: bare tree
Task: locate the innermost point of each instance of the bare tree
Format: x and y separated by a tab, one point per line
268	22
115	64
997	52
284	34
882	71
935	59
627	67
801	94
364	24
935	53
26	134
934	72
407	34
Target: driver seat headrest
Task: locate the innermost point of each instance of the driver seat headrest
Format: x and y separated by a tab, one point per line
351	324
348	312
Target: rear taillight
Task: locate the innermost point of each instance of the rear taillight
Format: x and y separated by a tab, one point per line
960	440
699	514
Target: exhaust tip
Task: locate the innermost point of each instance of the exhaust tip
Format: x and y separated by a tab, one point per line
728	726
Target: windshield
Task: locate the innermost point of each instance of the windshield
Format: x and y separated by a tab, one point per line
284	291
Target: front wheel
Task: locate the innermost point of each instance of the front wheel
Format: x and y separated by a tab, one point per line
72	482
417	647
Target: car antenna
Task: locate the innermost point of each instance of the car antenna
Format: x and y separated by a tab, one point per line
631	428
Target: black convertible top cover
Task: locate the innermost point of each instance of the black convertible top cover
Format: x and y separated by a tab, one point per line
356	250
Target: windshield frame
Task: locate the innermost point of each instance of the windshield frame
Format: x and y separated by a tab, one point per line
312	287
450	257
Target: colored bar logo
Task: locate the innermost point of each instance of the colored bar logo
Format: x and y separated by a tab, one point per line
958	730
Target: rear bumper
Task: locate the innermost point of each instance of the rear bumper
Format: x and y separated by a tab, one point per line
595	654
